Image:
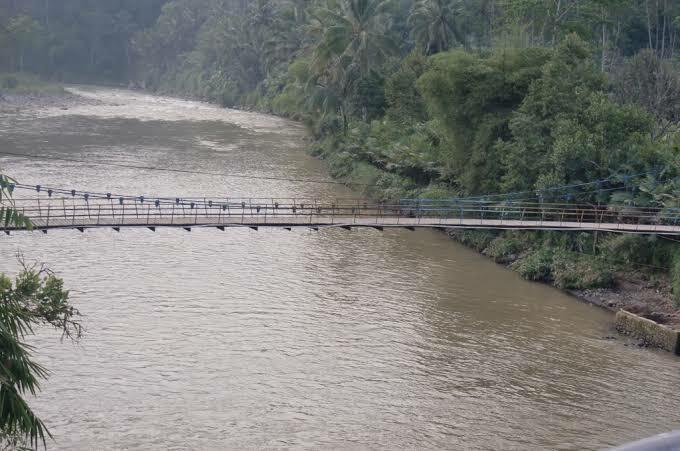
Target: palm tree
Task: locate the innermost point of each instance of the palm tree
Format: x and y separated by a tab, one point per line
353	43
353	37
433	25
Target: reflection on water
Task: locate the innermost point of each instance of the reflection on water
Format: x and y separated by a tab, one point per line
275	339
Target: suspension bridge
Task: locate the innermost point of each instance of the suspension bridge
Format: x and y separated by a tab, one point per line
52	209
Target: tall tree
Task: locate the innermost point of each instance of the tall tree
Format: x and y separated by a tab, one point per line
433	25
353	45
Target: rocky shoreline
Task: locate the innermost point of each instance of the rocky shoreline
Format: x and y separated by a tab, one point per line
635	295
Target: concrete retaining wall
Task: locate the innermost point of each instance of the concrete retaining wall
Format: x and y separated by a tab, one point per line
648	331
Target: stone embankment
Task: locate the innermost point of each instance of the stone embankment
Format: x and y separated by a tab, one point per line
648	332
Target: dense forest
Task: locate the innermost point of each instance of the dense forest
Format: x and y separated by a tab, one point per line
420	98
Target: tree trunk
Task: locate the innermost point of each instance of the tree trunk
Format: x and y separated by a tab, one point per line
649	24
604	41
663	33
558	8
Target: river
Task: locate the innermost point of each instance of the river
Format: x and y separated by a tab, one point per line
275	339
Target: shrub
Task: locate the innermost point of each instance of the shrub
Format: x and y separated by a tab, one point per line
476	239
536	266
504	248
576	271
675	279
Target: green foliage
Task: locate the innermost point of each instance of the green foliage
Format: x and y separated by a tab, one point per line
536	266
506	248
9	216
473	97
653	83
567	130
434	25
577	271
475	239
675	279
406	105
35	298
75	39
634	250
23	83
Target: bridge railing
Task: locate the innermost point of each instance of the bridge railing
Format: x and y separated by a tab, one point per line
76	211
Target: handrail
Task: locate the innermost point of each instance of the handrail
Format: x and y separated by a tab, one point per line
50	212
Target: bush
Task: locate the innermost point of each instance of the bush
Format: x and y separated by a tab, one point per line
536	266
330	124
475	239
675	279
504	248
631	248
576	271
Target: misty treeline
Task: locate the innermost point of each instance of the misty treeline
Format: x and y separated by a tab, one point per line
429	98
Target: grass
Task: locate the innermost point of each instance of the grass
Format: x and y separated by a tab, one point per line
22	83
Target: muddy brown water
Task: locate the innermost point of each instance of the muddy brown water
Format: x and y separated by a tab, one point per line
276	339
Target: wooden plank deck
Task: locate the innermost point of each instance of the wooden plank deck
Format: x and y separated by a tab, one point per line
321	221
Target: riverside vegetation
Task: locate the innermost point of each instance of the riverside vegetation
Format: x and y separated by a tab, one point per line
422	98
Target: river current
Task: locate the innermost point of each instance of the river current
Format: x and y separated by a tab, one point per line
273	339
